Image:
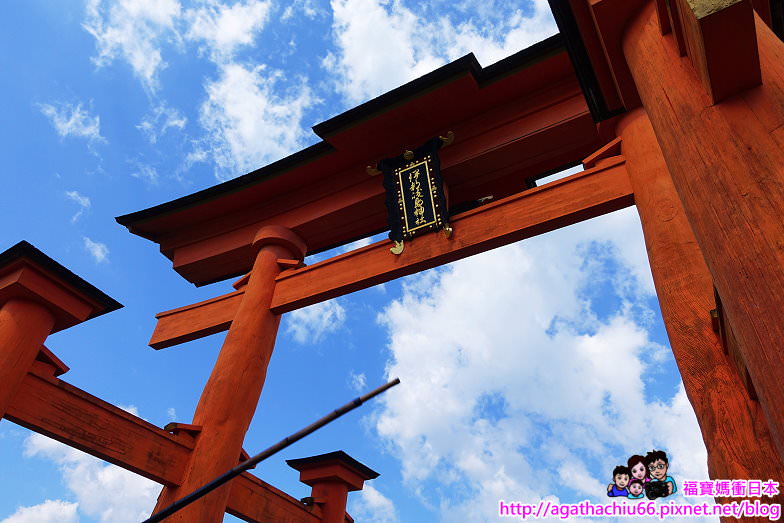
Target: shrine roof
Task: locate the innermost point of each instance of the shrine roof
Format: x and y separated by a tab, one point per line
516	121
137	222
26	251
338	456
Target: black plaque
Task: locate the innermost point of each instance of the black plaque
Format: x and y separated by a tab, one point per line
415	192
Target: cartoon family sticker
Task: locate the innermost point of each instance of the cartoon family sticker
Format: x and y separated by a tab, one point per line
643	477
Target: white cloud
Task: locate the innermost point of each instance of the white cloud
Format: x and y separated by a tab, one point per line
516	386
171	413
223	28
133	30
50	511
99	251
309	8
311	324
72	120
82	201
131	409
358	381
90	480
248	122
383	44
147	173
371	506
159	120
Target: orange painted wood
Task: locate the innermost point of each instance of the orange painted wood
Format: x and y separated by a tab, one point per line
231	394
25	280
732	424
721	43
63	412
606	153
558	204
676	22
495	150
593	45
254	500
24	326
728	168
332	496
195	321
607	18
215	315
47	357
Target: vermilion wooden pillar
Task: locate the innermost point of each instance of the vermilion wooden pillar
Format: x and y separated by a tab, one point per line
727	165
24	326
232	392
38	296
733	426
332	476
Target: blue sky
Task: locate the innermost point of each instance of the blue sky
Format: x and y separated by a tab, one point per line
528	372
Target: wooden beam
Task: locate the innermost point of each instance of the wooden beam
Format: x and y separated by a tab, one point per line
584	195
253	500
63	412
579	197
195	321
70	415
487	158
721	43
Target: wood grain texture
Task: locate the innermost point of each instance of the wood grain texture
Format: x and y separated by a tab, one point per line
72	416
561	203
732	425
63	412
728	169
252	499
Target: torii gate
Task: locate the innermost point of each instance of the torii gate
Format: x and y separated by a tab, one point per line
674	106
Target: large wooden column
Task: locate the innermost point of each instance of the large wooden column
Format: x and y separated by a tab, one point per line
733	426
38	296
24	326
727	164
232	392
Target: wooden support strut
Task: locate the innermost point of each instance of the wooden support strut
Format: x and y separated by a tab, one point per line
57	409
601	189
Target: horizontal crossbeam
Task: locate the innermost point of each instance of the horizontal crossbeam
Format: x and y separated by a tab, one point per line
52	407
252	499
564	202
593	192
63	412
195	321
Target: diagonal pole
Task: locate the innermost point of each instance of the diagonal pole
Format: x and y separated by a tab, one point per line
261	456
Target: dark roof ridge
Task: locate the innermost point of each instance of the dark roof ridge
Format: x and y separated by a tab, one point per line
463	65
24	249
